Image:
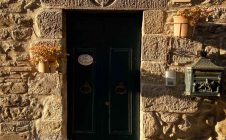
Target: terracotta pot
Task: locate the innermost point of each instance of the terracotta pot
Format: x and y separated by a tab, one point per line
53	67
180	26
42	67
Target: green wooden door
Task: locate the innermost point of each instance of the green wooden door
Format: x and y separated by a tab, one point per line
103	75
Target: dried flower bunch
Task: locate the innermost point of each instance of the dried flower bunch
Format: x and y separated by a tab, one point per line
44	53
195	14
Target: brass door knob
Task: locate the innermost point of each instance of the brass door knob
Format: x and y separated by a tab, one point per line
107	103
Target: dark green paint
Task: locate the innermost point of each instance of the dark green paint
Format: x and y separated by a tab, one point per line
103	98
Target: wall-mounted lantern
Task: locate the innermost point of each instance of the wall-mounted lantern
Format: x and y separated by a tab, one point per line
203	78
170	78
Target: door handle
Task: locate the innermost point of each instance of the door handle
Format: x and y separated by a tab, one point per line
120	88
107	103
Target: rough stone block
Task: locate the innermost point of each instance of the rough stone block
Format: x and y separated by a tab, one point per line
11	6
163	99
15	20
154	48
151	125
169	117
181	1
110	4
11	137
18	88
21	126
49	24
152	72
153	21
4	20
5	88
19	69
45	84
2	79
20	33
22	56
16	6
184	51
10	45
212	52
23	64
51	130
53	108
14	101
31	112
221	129
4	33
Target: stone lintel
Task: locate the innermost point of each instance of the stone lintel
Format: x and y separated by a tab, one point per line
106	4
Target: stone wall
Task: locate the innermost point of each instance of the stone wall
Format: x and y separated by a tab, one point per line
33	105
165	112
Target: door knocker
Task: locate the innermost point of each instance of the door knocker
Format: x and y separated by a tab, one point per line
120	88
86	88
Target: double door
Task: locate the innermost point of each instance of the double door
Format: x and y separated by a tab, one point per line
103	75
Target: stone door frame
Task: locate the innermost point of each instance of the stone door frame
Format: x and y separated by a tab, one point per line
52	15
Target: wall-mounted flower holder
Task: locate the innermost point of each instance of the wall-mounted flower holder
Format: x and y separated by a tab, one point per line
189	17
180	26
45	57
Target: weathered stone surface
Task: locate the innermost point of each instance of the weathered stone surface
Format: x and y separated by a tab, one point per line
181	1
184	51
163	99
23	64
18	88
213	30
15	6
4	88
9	45
19	69
221	129
212	51
223	47
49	24
53	108
4	33
22	126
31	4
51	130
14	101
46	84
154	48
196	126
169	117
4	20
12	137
151	126
153	21
152	72
11	6
22	56
31	112
12	19
111	4
19	33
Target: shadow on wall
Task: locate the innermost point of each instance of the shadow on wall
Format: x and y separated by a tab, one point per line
167	113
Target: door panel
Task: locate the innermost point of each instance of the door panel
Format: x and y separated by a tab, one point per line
120	91
103	75
84	97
